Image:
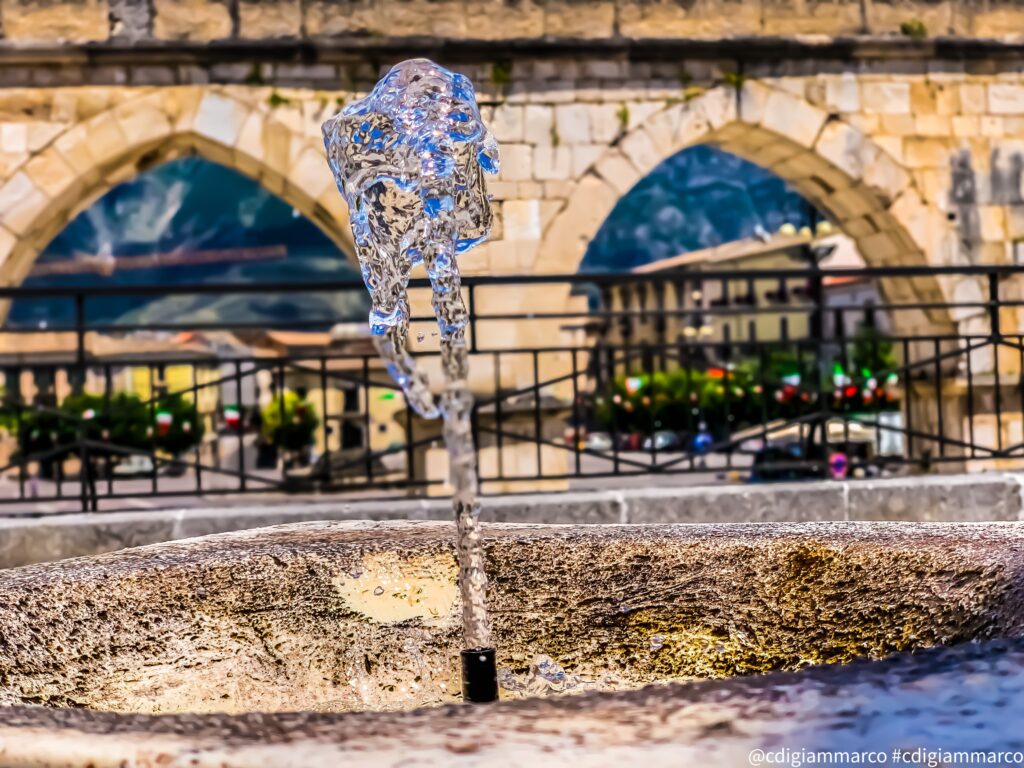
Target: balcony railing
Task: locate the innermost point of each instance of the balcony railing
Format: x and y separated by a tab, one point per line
583	380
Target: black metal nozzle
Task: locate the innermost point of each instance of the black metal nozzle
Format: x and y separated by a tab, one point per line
479	675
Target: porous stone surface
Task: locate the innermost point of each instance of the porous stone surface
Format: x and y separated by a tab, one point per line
36	21
964	699
343	616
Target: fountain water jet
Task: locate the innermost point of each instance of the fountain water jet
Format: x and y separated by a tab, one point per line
410	159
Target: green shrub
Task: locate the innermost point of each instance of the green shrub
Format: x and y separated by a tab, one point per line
914	29
125	421
780	384
289	422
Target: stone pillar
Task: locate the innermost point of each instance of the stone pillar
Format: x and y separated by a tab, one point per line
935	411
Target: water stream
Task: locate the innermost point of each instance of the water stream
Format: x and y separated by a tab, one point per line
410	160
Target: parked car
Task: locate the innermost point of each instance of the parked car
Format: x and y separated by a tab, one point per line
631	441
599	441
663	440
782	433
790	461
173	469
134	465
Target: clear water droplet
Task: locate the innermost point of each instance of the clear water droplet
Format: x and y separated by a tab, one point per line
378	591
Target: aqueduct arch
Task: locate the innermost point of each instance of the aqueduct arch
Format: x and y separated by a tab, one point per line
81	163
837	167
848	142
916	147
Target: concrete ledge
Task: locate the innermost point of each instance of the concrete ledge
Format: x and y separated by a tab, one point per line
952	498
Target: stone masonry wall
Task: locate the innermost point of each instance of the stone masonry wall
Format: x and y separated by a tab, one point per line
113	21
920	163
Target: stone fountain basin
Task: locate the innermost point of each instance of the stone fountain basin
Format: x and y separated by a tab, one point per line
322	618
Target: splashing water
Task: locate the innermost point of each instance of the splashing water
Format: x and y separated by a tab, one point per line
546	677
410	160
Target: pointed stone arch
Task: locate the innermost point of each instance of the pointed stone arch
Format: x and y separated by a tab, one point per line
280	148
837	167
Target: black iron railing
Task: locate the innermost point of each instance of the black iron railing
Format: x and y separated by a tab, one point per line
746	375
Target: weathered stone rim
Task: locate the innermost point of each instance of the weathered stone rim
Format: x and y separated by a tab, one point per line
695	720
233	729
170	627
966	578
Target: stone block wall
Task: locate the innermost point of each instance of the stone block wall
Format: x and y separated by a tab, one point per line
903	122
946	499
199	21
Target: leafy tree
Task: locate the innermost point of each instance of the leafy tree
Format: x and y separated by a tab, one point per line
185	431
289	422
8	415
680	400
